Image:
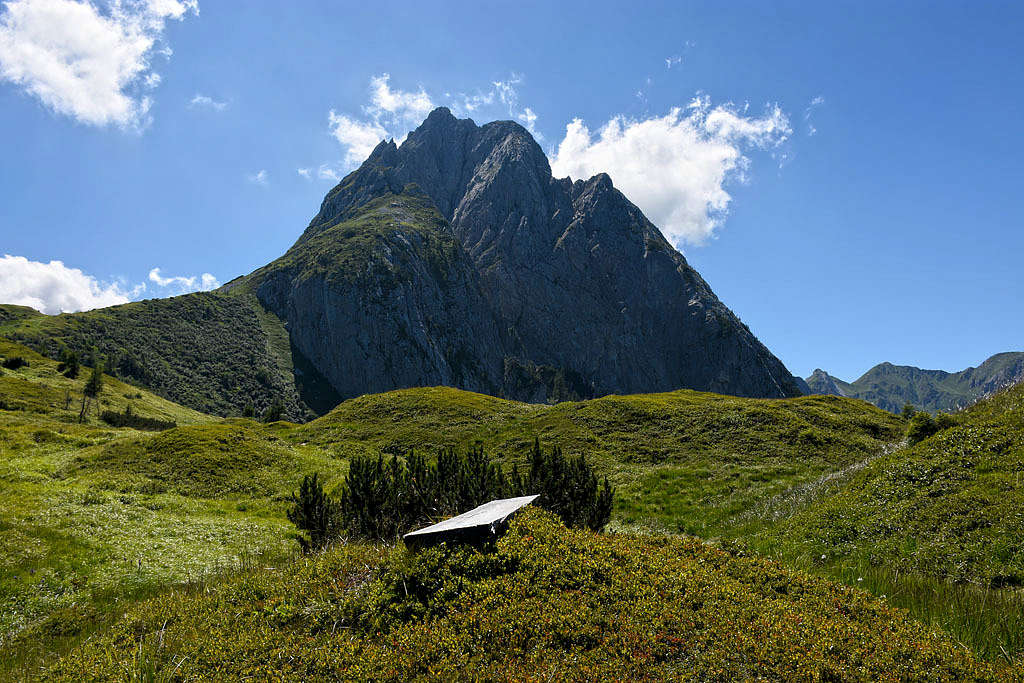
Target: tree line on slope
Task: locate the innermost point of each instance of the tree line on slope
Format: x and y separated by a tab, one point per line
382	499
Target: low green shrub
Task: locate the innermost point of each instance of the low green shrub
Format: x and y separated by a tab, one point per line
130	419
15	363
546	602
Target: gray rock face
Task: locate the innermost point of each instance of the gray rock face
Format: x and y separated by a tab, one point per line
572	279
388	301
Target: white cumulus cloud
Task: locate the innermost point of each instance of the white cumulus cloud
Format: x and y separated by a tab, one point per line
54	288
390	113
87	60
676	167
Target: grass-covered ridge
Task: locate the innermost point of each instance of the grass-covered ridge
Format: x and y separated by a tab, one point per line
951	506
368	247
85	521
209	351
546	603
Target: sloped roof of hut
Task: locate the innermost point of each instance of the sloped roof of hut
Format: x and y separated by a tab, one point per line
481	523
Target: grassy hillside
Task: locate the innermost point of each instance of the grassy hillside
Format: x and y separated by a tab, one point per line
209	351
951	506
547	603
938	527
92	512
93	515
684	460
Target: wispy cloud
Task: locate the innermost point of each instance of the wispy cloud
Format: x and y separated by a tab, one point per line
675	167
200	101
815	102
328	172
183	284
393	112
88	60
259	177
323	172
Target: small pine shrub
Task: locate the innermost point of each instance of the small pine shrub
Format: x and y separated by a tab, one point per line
274	412
314	512
68	362
944	421
569	488
382	499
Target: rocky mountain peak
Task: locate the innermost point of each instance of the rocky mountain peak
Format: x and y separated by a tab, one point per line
579	283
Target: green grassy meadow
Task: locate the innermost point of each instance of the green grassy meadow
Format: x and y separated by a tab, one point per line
98	525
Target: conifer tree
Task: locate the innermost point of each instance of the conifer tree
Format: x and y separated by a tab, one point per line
94	385
314	512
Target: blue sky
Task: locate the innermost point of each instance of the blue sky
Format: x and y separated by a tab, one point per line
846	176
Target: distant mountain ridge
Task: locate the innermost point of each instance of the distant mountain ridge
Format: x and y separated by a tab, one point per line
454	259
891	386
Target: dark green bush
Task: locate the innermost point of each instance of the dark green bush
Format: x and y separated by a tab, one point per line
569	488
274	412
920	428
944	421
382	499
15	362
68	362
314	512
130	419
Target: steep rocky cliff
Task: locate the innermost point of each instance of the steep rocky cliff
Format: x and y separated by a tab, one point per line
567	278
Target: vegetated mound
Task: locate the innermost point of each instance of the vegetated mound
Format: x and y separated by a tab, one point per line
201	461
14	312
546	603
684	460
39	390
207	351
952	506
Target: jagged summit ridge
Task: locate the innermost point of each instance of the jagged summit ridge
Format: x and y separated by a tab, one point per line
574	283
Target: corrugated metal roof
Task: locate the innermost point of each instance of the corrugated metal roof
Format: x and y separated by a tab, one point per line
482	518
